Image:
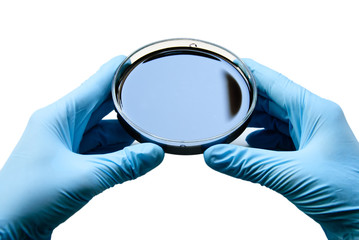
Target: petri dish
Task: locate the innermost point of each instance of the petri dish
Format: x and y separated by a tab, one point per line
184	95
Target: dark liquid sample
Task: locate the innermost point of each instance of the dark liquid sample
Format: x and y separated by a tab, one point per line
184	95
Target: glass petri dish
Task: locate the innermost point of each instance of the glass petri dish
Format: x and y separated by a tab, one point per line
184	95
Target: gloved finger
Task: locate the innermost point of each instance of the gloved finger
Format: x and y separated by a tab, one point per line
266	105
83	101
74	111
96	89
107	136
271	140
269	168
127	164
278	89
105	108
264	120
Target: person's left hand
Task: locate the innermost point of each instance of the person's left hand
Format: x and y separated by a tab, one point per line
66	156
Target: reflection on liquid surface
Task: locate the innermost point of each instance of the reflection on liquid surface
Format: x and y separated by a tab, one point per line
184	96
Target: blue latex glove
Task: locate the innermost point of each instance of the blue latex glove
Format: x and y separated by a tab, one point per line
319	172
49	175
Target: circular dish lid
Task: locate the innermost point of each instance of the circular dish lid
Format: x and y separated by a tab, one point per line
184	95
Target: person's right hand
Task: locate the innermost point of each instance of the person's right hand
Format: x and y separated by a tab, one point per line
318	172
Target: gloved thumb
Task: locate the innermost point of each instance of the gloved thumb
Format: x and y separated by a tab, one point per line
127	164
269	168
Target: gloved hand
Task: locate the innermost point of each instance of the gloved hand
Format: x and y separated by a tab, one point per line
318	172
50	175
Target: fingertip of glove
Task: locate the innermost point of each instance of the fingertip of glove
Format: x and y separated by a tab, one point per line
252	138
155	151
249	62
218	155
113	63
118	59
149	153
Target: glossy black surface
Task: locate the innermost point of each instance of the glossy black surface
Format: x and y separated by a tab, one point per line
181	96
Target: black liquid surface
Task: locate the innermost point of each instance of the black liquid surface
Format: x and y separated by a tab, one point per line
184	96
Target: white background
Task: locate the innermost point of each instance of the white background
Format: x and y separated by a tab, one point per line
48	48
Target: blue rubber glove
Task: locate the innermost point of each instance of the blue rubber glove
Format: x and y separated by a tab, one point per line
65	157
318	172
